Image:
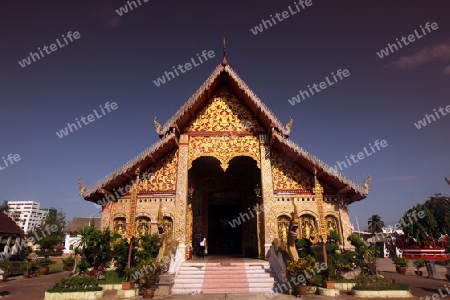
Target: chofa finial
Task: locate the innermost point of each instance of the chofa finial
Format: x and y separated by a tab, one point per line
224	59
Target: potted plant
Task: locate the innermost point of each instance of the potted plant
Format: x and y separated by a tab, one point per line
68	263
43	266
419	263
150	276
327	277
127	284
401	264
300	267
28	266
6	267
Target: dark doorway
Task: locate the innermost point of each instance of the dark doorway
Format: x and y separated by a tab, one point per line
220	200
223	238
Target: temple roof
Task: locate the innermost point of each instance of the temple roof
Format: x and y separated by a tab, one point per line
78	222
224	75
325	172
8	226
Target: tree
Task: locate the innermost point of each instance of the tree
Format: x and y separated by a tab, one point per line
375	224
52	226
4	207
434	219
95	245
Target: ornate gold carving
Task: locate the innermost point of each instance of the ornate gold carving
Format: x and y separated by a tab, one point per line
180	230
168	226
142	226
270	219
224	149
224	112
318	191
308	228
283	228
120	225
131	230
288	175
164	175
332	223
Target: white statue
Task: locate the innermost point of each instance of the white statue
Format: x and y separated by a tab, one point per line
7	249
276	261
16	248
176	260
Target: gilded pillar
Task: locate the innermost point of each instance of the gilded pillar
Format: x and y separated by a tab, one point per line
318	192
269	230
181	230
132	213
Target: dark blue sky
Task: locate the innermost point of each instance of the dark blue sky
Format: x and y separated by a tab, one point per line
117	58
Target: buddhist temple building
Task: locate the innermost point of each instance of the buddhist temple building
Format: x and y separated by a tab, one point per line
224	167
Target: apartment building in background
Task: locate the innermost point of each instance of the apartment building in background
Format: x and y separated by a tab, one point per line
27	214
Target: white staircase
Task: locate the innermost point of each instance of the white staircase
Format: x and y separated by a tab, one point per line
223	275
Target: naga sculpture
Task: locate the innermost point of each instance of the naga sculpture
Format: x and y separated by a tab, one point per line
293	234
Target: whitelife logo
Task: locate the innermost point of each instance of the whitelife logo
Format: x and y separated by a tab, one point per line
27	61
423	122
12	158
411	38
323	85
90	118
284	15
162	80
124	9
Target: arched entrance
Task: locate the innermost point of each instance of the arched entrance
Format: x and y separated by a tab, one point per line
223	205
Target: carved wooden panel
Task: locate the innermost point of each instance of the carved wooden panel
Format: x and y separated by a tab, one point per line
224	112
164	176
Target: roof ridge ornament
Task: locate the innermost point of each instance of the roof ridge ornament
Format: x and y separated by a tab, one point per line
224	59
367	183
157	127
81	187
289	125
447	179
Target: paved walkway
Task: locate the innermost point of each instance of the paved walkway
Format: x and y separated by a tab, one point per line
34	288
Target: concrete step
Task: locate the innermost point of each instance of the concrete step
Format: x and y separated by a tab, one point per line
223	276
220	280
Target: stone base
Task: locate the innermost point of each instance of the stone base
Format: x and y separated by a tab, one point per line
165	284
126	293
74	295
382	294
346	286
328	292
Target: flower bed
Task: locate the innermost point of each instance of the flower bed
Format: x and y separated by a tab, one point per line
379	284
76	284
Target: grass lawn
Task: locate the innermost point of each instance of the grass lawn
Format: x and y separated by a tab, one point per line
57	266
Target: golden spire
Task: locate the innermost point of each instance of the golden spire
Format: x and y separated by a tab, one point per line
224	59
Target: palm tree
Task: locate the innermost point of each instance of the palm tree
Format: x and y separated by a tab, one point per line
375	224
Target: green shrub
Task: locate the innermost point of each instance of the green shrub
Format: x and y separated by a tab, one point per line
419	263
68	263
112	277
76	284
400	261
373	283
